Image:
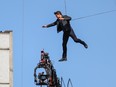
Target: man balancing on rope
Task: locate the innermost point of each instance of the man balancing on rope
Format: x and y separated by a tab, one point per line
63	24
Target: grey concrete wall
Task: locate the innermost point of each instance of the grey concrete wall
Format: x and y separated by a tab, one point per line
6	62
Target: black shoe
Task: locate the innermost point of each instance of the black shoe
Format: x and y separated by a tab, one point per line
35	80
86	46
83	43
63	59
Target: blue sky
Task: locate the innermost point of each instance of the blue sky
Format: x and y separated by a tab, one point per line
92	67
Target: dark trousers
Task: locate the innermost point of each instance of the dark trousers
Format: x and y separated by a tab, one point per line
66	36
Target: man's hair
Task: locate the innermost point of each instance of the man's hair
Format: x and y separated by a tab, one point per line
57	12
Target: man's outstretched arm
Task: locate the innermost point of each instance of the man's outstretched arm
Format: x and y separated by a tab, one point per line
49	25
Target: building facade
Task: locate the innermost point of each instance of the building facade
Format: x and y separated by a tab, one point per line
6	59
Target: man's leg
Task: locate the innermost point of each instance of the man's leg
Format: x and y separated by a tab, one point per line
64	46
73	36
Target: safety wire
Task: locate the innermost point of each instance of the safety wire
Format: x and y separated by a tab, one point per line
65	6
22	63
83	17
101	13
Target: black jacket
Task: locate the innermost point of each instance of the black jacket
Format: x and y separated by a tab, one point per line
65	26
